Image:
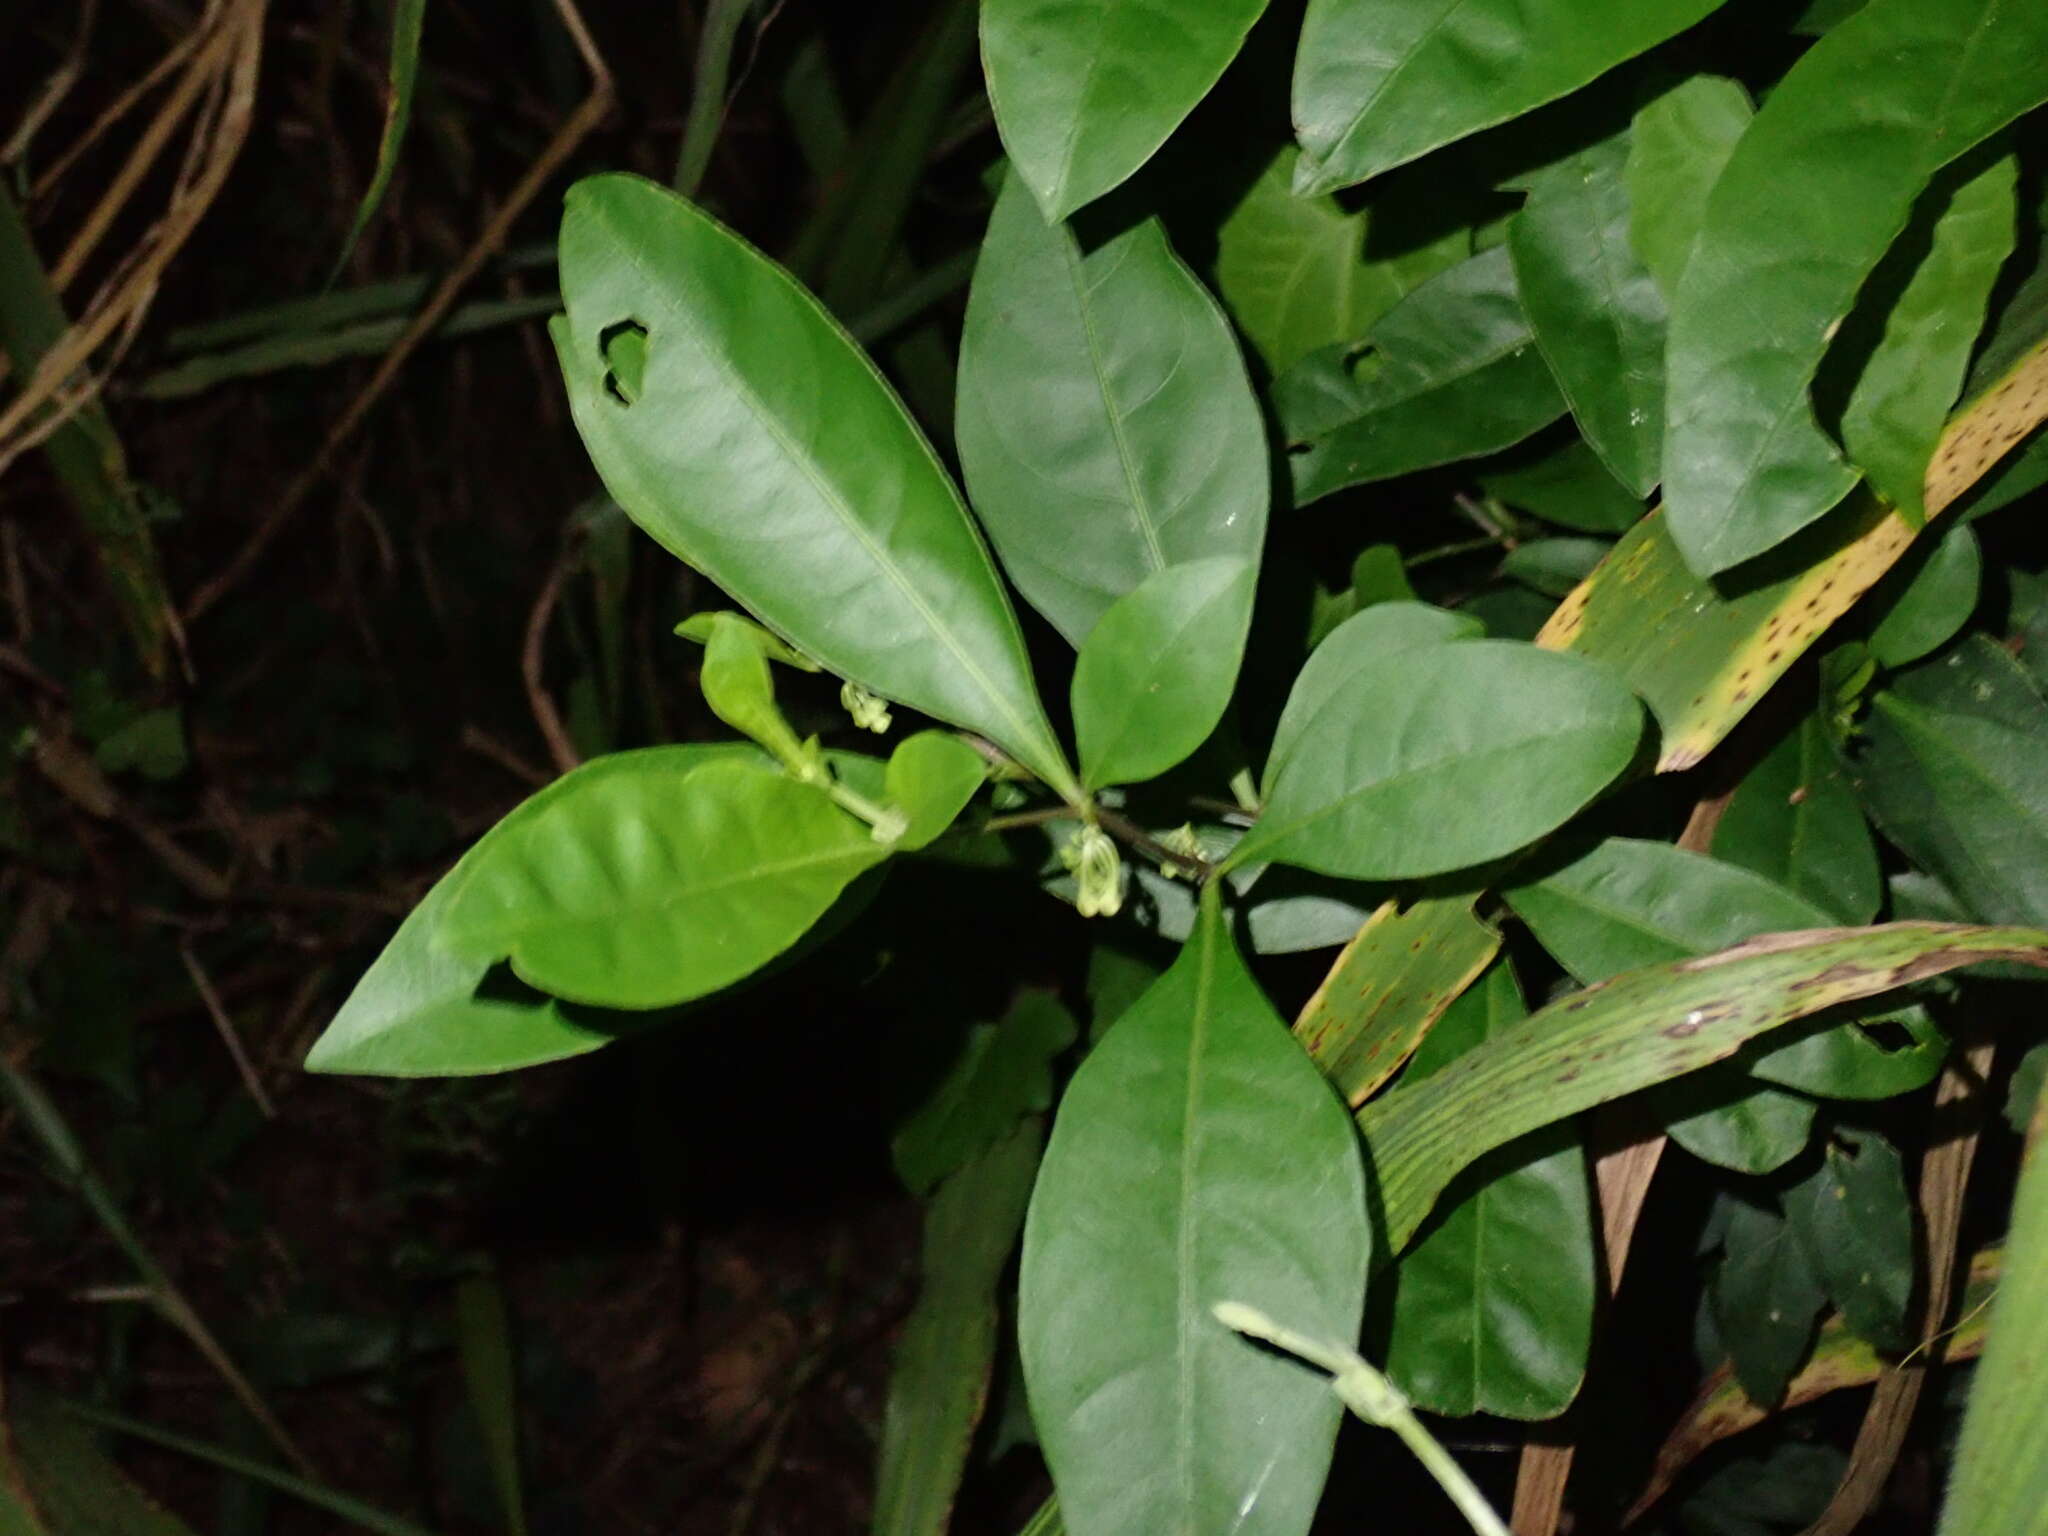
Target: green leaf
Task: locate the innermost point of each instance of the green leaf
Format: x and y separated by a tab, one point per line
1766	1298
56	1480
152	744
1294	274
938	1381
2029	1079
1554	566
407	19
1158	669
1568	486
1678	145
1450	372
484	1336
1387	769
1004	1073
1105	422
2000	1483
1198	1157
1390	987
1085	91
698	627
1379	82
1902	398
1855	1220
1358	643
735	682
643	881
1815	192
1493	1307
1928	610
1722	1117
930	778
1949	767
1595	310
1794	820
767	452
1641	1028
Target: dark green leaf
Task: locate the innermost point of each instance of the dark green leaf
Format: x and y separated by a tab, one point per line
1766	1298
1105	422
1570	487
1085	90
2029	1080
1379	82
1794	820
57	1480
1157	670
1554	566
1901	401
1450	372
1677	147
1950	769
1596	311
407	19
938	1382
767	452
1721	1116
1382	782
1855	1220
1927	611
1816	190
483	1335
641	881
1493	1307
1198	1157
1004	1073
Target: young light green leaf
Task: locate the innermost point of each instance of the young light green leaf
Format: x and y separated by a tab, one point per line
735	683
1794	820
1767	1298
1493	1307
1949	767
1085	91
649	883
1450	372
1925	612
1595	310
1197	1157
1389	988
407	19
1645	1027
938	1381
1816	190
1378	83
1568	486
1004	1073
765	450
698	627
1158	669
1105	422
1901	401
1677	146
1854	1218
1294	274
1360	641
930	778
1381	782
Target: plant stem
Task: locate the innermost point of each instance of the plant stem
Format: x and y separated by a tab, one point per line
1123	827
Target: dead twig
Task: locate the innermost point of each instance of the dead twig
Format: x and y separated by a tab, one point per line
561	750
203	985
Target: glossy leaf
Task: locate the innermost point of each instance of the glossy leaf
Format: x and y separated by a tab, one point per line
1678	145
1722	1116
1641	1028
1902	398
1358	643
1390	986
1105	422
1927	611
2000	1482
1949	767
930	778
1158	669
1794	820
1493	1306
1003	1074
1766	1297
1379	82
1594	307
1085	91
1450	372
1388	767
766	451
1197	1157
1568	486
938	1380
642	882
1855	1220
1816	190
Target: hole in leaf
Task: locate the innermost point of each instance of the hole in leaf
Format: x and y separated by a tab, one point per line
1887	1034
1362	359
625	359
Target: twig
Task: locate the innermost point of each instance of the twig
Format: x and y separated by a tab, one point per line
588	114
1122	826
203	985
561	750
54	89
486	745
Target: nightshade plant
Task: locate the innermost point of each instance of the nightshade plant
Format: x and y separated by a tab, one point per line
1818	324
